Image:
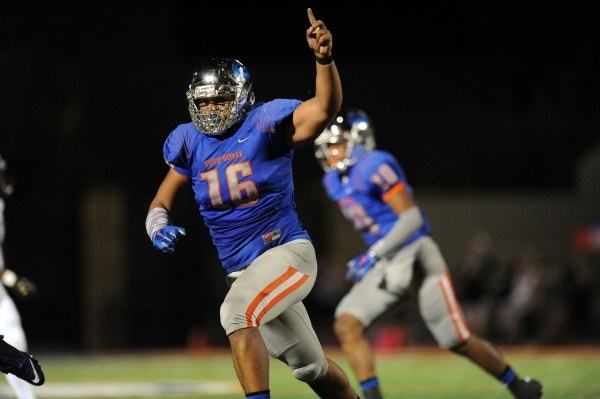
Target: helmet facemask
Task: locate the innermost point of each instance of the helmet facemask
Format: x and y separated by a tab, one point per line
220	77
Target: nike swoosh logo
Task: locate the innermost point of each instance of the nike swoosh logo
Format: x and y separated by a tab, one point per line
36	380
242	140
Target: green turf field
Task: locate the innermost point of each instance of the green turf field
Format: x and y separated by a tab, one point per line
414	373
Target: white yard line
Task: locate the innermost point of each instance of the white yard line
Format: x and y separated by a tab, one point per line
130	389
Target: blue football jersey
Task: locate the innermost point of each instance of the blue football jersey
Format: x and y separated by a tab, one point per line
242	182
363	191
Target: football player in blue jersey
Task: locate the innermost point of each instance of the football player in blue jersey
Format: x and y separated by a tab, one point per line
235	158
373	193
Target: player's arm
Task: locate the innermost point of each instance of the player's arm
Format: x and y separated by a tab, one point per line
409	220
313	115
172	195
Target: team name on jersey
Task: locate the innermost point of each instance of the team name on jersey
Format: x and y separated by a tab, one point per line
224	158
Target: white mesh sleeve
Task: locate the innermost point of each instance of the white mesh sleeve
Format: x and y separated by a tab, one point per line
157	219
408	222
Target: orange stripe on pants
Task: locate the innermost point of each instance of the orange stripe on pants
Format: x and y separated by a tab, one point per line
253	320
456	314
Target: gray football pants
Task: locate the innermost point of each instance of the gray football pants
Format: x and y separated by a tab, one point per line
386	286
268	294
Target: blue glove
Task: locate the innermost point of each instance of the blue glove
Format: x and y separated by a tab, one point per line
359	266
166	238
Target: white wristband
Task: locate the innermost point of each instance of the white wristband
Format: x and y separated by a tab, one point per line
157	219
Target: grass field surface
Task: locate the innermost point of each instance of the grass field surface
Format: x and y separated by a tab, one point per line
413	373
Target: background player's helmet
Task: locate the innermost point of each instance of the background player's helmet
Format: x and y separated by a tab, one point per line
217	77
351	126
6	186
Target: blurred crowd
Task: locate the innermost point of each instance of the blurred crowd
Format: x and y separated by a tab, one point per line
516	297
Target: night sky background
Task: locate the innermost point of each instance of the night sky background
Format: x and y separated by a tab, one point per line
467	96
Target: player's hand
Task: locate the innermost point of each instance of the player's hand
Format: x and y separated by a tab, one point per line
166	238
318	37
359	266
19	285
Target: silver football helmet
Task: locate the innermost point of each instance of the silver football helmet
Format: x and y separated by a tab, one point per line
352	127
214	78
6	185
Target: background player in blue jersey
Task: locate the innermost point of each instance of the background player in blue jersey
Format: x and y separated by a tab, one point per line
372	191
235	157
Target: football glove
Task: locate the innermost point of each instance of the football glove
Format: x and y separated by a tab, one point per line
359	266
19	285
166	238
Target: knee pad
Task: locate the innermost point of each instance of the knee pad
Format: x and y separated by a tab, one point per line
311	373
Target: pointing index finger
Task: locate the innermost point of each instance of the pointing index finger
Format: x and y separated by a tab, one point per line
311	17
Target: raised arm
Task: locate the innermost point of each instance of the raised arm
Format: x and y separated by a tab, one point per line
313	115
